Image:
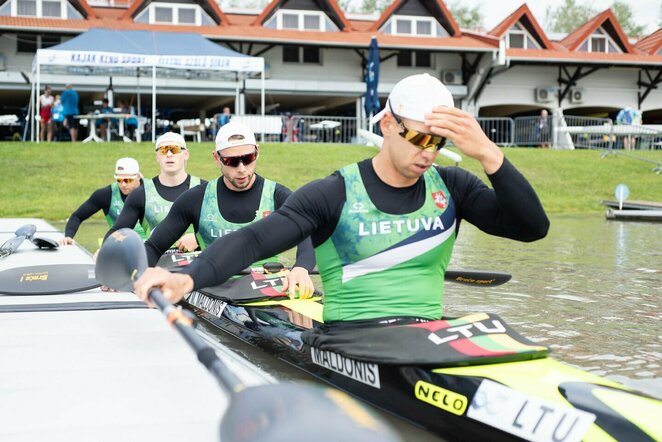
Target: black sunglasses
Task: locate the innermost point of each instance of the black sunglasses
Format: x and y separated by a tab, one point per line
422	140
234	161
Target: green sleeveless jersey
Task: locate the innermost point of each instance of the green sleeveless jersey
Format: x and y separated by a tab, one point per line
116	206
377	265
157	207
212	225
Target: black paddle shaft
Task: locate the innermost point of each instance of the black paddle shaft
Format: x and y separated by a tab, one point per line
206	355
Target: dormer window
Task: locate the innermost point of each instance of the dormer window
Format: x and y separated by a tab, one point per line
174	13
300	20
39	8
519	37
416	26
600	42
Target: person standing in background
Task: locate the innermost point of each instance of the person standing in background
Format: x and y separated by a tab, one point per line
57	117
70	106
104	123
45	112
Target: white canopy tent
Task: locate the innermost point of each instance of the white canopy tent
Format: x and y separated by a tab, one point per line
119	52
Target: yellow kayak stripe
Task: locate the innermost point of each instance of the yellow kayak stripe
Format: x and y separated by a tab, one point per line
306	307
644	412
270	302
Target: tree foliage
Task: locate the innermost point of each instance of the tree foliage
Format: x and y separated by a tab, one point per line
568	16
572	14
625	17
467	17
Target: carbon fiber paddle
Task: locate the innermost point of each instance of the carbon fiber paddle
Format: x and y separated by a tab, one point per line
176	261
278	412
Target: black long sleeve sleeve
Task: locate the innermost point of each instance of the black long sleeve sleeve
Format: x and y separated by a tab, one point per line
99	200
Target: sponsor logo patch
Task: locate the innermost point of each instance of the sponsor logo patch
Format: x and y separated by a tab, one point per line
441	398
440	199
526	416
358	207
31	277
206	303
364	372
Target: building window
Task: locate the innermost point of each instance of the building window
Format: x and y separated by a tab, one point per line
26	7
175	14
29	43
186	15
51	9
36	8
601	42
413	26
519	37
301	54
300	20
162	15
414	59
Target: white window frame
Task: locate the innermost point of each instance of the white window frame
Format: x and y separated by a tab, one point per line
39	9
607	38
301	14
524	32
176	7
412	19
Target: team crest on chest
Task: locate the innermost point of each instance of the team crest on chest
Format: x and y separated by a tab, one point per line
440	199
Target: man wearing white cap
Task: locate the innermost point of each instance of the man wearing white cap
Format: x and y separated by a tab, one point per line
150	204
236	199
383	229
110	199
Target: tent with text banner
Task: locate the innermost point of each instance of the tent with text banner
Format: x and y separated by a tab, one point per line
130	53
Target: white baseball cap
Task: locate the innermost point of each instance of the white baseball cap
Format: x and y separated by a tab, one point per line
126	166
170	139
414	96
241	133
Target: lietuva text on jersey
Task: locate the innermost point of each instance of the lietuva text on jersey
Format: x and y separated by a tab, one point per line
399	226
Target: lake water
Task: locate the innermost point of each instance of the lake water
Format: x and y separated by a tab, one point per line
591	291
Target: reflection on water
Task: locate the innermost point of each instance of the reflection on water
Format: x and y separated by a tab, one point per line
590	291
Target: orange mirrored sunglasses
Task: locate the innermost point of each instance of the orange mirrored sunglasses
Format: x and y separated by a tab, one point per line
125	180
424	141
163	150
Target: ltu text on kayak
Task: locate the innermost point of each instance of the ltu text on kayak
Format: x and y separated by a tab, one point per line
400	225
358	370
452	333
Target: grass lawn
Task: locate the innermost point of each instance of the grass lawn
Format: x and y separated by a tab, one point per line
51	180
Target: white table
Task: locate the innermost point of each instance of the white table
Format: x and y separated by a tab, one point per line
93	126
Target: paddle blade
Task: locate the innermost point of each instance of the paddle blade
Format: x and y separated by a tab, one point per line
121	260
289	412
47	279
11	245
44	243
26	230
477	277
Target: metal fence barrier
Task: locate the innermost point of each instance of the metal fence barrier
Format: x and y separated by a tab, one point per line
499	130
557	131
533	131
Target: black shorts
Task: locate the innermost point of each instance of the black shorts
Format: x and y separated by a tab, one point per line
71	121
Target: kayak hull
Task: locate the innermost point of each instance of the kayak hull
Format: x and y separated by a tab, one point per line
553	398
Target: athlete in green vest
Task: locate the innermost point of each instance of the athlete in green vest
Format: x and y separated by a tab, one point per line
234	200
110	199
151	202
383	229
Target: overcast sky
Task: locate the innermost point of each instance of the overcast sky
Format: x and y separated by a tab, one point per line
646	12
